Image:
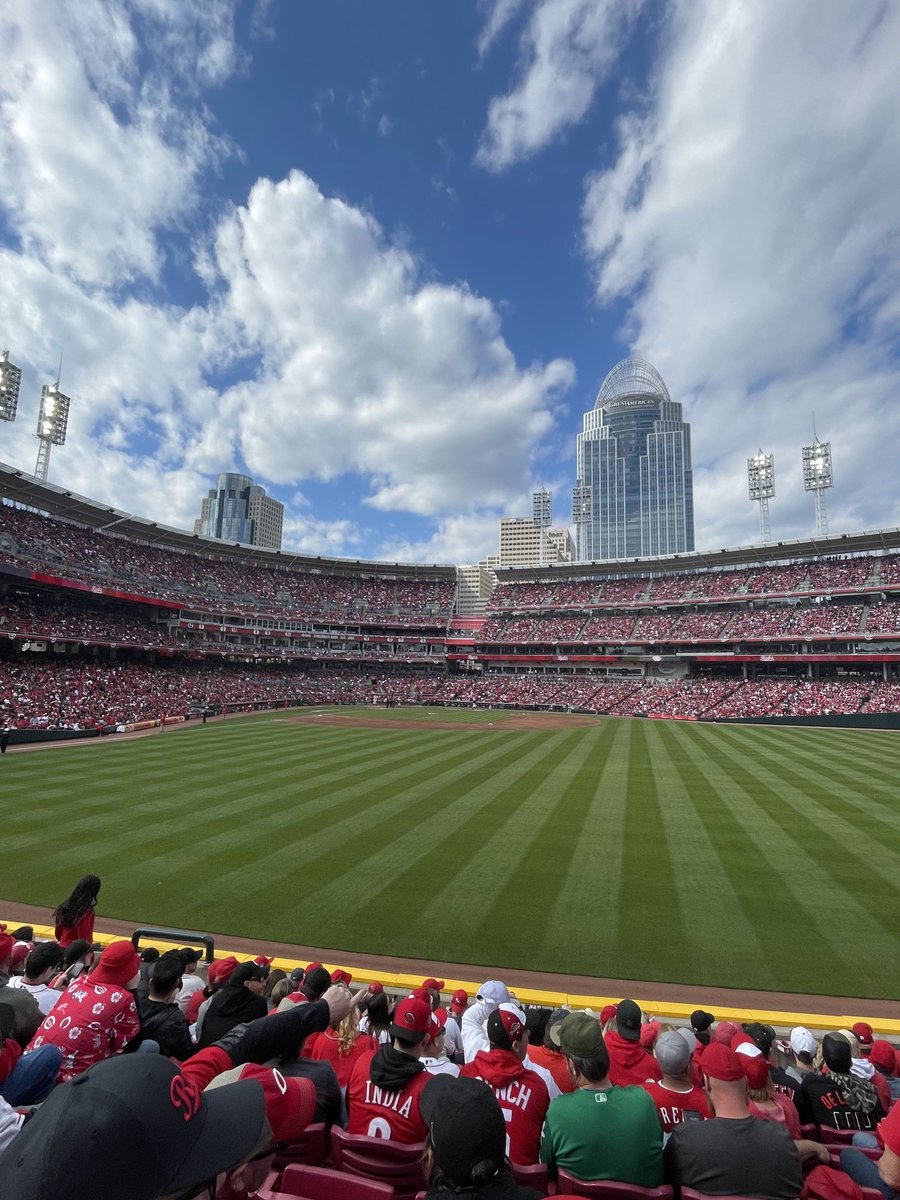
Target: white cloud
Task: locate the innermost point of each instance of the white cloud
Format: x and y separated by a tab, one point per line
95	158
463	538
750	219
568	48
499	13
366	368
309	535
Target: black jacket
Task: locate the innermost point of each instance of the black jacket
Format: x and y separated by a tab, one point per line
166	1024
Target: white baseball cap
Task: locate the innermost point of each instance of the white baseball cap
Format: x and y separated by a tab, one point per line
802	1041
494	991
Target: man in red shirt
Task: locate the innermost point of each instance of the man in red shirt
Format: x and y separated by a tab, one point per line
385	1087
95	1017
522	1094
677	1099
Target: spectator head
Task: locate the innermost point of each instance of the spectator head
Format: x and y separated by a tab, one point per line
434	987
263	962
250	976
862	1030
536	1018
273	978
43	960
189	959
882	1057
290	1102
280	991
119	964
20	952
580	1039
149	954
551	1031
83	897
725	1032
493	993
763	1036
836	1052
701	1023
6	949
608	1015
724	1080
221	971
316	982
756	1072
339	975
466	1132
166	978
436	1030
411	1024
378	1013
507	1029
296	978
24	933
459	1002
672	1053
852	1041
134	1117
628	1021
78	951
803	1045
650	1031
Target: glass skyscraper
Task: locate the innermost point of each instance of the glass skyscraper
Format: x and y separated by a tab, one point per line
238	510
633	495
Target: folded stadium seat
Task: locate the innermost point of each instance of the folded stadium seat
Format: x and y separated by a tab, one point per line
691	1194
396	1163
320	1183
535	1176
310	1147
611	1189
809	1131
835	1137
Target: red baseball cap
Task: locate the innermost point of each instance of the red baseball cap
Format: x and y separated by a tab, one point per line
262	961
411	1019
720	1062
509	1019
649	1034
459	1000
290	1102
756	1069
883	1055
436	985
375	987
339	975
608	1012
437	1023
220	971
863	1031
725	1031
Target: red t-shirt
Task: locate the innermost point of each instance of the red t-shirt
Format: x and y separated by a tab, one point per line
675	1108
377	1112
326	1047
555	1063
889	1129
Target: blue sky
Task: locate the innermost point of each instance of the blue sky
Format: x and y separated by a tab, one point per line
381	256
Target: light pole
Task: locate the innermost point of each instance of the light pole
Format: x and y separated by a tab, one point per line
53	420
761	483
10	381
817	478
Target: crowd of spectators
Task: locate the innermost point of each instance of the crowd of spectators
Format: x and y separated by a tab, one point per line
200	1083
189	579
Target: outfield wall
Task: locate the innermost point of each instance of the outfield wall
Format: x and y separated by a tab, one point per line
836	721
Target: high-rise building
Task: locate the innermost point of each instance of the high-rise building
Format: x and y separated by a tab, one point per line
238	510
520	543
633	495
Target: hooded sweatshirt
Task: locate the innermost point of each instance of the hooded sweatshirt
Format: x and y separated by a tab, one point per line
523	1097
629	1062
383	1096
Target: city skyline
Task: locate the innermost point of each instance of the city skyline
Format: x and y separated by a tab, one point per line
380	263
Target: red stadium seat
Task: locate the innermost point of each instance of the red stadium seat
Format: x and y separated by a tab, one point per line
536	1176
836	1137
320	1183
310	1147
382	1159
611	1189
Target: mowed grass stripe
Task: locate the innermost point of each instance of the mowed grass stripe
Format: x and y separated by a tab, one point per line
702	879
466	842
801	873
736	828
370	843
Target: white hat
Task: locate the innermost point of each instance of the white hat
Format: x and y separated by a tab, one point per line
802	1041
494	991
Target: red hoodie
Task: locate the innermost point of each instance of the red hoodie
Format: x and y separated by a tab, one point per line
523	1098
629	1062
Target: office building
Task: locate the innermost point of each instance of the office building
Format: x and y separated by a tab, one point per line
633	495
238	510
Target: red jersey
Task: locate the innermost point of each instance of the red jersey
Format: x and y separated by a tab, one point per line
675	1108
379	1111
555	1063
89	1022
325	1046
523	1097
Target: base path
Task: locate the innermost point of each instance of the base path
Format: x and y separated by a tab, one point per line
647	993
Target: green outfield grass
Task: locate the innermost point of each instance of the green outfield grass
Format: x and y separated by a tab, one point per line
749	857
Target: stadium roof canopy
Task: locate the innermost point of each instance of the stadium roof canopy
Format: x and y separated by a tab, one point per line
24	489
838	546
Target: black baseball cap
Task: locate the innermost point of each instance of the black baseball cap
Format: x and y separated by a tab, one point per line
628	1021
133	1126
465	1125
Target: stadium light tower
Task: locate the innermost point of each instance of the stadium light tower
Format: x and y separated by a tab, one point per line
541	515
761	482
10	380
53	420
817	478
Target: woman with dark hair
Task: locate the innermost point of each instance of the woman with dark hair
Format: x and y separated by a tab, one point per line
74	918
376	1018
